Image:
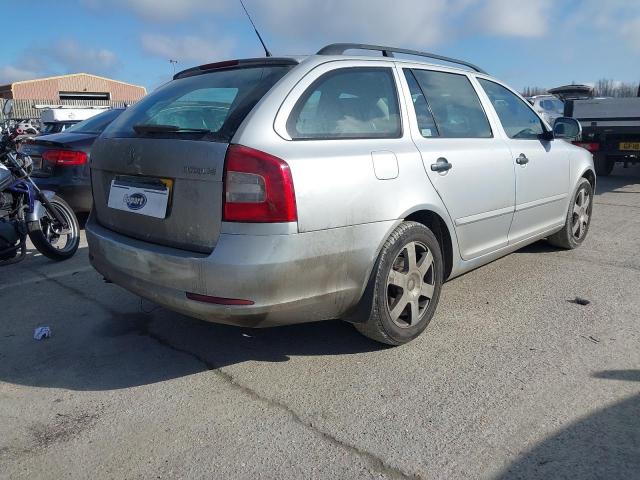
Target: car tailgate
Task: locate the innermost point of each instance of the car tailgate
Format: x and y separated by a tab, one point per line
194	170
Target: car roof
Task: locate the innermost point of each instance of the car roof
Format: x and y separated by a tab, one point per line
325	58
336	52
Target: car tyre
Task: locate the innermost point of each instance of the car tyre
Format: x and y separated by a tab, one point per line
603	166
578	219
408	277
42	239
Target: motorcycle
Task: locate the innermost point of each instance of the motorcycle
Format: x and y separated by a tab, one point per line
27	211
24	130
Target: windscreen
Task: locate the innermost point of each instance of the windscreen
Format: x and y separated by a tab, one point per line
95	125
209	106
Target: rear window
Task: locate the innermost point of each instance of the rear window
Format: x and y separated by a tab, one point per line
555	106
55	127
95	125
209	106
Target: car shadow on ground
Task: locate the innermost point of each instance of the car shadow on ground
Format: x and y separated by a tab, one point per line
618	180
217	345
603	445
106	346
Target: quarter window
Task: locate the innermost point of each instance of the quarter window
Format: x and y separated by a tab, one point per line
348	103
518	119
454	104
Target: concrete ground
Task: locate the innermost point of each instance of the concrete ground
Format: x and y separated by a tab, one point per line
512	379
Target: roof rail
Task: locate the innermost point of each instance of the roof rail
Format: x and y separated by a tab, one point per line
340	48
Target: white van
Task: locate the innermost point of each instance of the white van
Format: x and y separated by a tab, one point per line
58	119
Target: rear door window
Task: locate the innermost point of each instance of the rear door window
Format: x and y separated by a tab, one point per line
454	104
519	121
426	122
209	106
348	103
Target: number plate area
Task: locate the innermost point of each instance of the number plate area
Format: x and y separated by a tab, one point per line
633	146
142	196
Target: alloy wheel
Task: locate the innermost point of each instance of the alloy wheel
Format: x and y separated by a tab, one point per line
581	214
55	234
410	284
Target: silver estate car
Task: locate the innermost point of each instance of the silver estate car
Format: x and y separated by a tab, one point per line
273	191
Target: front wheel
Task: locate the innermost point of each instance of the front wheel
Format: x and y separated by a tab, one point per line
408	278
52	241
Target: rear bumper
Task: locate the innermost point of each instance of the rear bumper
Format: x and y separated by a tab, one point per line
293	278
76	194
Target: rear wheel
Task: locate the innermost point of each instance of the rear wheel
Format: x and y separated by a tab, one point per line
578	218
603	166
52	241
408	279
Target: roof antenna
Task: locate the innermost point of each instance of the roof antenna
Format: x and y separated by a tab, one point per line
266	50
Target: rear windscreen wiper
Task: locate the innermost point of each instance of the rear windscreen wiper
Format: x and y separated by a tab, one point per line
158	128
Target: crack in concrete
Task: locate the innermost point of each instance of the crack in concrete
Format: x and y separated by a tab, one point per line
376	463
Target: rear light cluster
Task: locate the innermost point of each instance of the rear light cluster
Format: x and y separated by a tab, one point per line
258	187
591	146
65	157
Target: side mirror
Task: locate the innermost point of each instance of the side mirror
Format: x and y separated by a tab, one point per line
7	108
567	128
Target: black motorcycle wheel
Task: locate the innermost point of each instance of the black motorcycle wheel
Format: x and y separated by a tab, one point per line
55	243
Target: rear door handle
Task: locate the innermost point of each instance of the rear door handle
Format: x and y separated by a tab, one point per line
522	159
441	165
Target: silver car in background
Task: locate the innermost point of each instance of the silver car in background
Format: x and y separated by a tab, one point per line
274	191
549	107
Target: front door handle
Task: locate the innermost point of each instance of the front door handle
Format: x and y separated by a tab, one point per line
441	165
522	159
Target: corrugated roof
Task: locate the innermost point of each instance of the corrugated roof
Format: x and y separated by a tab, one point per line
9	85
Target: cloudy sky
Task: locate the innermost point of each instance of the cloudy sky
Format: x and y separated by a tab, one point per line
524	42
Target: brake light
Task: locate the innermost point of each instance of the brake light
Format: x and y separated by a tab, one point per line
65	157
258	187
225	64
591	146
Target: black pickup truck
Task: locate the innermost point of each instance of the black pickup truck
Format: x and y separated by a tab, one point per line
610	127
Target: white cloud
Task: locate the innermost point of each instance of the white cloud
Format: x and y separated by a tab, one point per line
515	18
403	22
186	49
72	56
161	10
617	19
63	56
12	73
411	23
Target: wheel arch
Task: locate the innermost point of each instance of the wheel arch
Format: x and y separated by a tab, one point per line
428	217
438	226
591	176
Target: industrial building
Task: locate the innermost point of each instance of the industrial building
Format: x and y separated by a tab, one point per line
76	86
77	89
